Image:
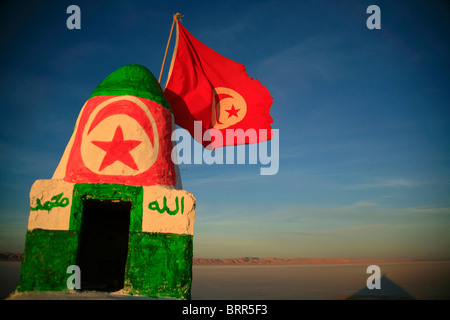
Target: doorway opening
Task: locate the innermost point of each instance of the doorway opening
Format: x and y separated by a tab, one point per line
103	248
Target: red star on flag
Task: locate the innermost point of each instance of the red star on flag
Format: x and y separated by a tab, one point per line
118	150
232	112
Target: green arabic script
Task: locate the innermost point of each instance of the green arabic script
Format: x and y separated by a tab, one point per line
155	206
56	201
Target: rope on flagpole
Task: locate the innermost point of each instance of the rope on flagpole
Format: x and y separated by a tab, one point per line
176	16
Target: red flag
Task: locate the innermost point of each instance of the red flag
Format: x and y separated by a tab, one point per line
208	87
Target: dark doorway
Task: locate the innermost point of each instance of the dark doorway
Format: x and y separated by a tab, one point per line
104	244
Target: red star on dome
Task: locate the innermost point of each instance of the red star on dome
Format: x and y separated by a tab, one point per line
232	112
118	150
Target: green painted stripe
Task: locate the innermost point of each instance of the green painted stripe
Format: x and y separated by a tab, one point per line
135	80
159	265
86	191
46	257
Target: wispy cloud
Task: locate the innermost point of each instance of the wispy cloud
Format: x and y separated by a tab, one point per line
360	229
385	183
306	218
311	59
220	179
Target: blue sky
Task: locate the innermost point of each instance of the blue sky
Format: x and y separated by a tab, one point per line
363	117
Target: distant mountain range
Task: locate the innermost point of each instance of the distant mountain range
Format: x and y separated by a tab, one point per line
278	261
11	256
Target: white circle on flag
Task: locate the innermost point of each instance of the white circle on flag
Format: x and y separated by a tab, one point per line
229	110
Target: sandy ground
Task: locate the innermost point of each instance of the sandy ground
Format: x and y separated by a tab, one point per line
403	280
406	280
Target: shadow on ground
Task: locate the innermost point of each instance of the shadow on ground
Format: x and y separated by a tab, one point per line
389	291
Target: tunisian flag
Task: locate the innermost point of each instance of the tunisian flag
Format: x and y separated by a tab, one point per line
205	86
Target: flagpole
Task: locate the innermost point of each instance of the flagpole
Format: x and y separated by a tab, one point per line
176	16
